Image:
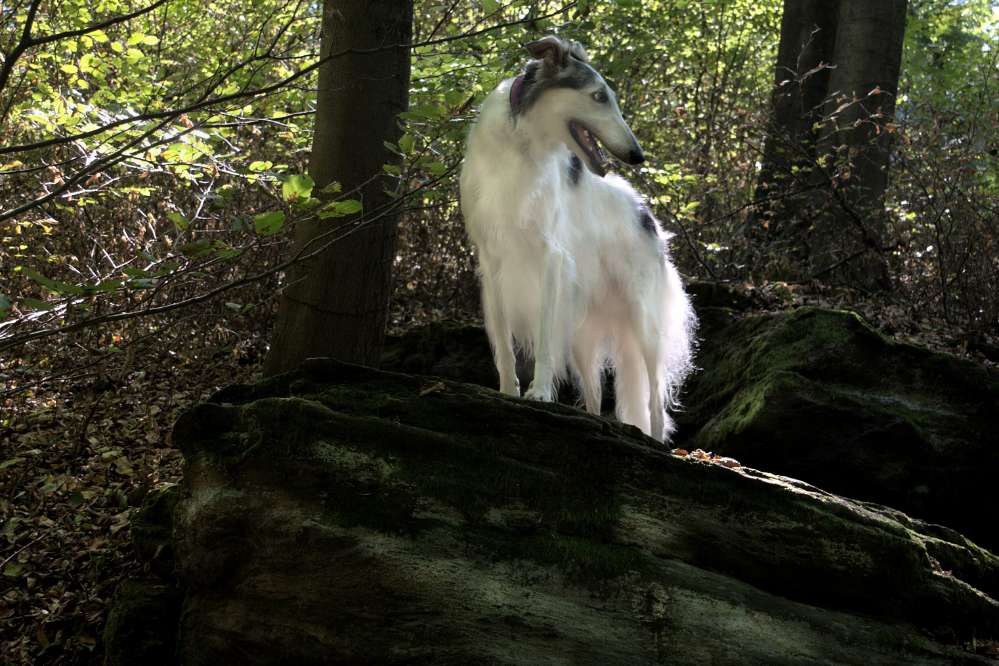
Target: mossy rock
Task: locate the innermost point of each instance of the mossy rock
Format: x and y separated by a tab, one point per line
815	394
340	514
142	623
445	349
820	395
152	531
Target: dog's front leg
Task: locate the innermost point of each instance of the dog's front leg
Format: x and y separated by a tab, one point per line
498	329
546	342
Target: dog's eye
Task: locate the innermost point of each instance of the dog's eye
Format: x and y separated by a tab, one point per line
600	96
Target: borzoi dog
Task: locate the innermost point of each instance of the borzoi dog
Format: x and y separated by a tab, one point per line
574	267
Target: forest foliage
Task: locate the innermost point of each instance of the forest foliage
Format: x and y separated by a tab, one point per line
151	161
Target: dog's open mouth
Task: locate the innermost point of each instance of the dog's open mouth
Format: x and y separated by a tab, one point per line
587	140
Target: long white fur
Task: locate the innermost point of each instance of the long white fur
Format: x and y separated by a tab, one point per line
568	271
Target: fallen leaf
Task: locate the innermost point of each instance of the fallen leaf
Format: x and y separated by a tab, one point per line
436	387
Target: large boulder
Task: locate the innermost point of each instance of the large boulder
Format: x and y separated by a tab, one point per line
142	625
814	394
820	395
340	514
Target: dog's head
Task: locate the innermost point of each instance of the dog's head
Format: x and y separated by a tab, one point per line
571	101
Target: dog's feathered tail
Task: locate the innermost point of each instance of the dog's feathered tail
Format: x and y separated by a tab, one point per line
652	366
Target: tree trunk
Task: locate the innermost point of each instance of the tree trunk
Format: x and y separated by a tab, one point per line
820	200
336	304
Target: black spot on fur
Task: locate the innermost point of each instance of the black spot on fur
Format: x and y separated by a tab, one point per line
648	222
575	169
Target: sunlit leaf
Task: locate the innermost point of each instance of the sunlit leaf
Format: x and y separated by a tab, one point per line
178	219
341	208
297	187
268	224
406	143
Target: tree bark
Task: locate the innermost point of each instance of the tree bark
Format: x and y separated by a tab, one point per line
336	304
820	199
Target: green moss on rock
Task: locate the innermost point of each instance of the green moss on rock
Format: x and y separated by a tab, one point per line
152	530
820	395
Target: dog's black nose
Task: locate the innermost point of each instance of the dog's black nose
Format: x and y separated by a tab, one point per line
636	156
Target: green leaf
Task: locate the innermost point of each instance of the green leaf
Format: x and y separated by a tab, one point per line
424	111
35	304
406	143
224	251
297	187
178	219
341	208
490	6
268	224
108	285
4	305
198	248
69	69
455	98
56	286
10	462
436	168
261	165
13	569
134	272
134	55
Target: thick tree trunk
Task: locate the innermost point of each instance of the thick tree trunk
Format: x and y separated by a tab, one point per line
336	304
820	201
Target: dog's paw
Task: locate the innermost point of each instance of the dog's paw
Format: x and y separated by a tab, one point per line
545	394
511	388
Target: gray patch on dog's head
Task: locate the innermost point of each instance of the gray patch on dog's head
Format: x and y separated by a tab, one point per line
557	64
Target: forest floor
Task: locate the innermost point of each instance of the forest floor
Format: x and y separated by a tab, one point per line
78	454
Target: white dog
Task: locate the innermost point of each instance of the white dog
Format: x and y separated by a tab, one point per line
574	267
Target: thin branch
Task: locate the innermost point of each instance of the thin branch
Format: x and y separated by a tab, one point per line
114	20
27	41
22	45
332	236
205	103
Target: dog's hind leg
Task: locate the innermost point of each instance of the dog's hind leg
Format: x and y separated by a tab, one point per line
660	424
631	384
500	337
587	365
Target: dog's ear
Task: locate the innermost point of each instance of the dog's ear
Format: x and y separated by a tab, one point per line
551	50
